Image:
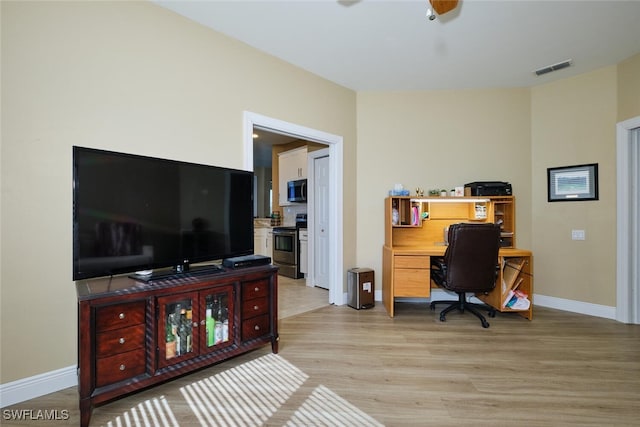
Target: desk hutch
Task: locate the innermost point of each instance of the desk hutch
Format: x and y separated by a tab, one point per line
414	231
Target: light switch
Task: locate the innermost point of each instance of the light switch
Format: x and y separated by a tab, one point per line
577	235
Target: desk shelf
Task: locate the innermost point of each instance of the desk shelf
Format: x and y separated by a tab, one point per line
516	273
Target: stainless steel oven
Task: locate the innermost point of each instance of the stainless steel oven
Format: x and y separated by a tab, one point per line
286	247
285	250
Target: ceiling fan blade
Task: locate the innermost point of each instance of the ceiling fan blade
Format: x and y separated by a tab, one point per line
443	6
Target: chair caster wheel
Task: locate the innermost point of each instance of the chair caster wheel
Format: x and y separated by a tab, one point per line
492	314
442	319
485	324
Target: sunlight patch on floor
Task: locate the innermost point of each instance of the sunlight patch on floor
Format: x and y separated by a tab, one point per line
326	408
246	395
151	413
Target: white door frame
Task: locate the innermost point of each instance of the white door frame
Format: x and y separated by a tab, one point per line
335	143
628	224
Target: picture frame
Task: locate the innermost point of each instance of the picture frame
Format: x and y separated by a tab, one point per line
572	183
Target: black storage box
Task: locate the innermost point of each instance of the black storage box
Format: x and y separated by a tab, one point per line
487	188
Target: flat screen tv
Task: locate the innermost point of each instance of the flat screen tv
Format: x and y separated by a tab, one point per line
134	213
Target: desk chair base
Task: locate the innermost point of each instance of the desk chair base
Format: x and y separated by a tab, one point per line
463	305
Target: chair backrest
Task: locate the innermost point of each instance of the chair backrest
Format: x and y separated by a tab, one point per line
472	257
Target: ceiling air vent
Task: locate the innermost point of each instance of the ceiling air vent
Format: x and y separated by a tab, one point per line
554	67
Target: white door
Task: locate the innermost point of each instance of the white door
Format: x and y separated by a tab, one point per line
628	221
321	218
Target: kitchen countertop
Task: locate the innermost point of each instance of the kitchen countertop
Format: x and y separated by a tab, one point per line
262	223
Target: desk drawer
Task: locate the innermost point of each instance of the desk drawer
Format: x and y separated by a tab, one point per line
412	282
411	261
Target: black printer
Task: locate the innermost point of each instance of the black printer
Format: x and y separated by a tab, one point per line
487	188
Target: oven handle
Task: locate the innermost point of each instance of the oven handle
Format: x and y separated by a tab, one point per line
285	232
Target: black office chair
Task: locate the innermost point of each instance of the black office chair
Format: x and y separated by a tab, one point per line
470	264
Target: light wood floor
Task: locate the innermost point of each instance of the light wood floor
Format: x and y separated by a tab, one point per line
295	297
561	369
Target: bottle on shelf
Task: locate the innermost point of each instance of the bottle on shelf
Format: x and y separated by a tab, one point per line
176	329
183	331
170	338
188	324
210	326
225	325
218	326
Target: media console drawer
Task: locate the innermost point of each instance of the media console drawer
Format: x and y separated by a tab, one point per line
119	367
255	327
119	340
119	315
255	307
255	289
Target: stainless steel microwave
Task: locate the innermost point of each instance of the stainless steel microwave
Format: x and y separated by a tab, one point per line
297	191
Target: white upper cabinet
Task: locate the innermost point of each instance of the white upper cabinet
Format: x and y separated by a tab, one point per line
292	165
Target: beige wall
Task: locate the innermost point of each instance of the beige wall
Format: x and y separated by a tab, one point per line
124	76
134	77
439	139
629	88
573	122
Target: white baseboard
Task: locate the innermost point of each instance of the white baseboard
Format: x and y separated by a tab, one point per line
37	385
579	307
49	382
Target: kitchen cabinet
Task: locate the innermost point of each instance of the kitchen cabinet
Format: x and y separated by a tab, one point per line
304	250
263	241
292	165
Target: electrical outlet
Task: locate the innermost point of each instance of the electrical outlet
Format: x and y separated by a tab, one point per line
577	235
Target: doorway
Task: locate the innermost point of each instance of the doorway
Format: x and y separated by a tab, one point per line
335	147
628	222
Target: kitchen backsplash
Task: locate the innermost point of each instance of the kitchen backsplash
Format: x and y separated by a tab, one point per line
290	212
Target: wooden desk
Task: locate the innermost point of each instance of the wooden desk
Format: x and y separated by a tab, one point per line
406	272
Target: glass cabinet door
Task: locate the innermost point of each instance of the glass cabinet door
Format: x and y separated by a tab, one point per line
218	318
177	328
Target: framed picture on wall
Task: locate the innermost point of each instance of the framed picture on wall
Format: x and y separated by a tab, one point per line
572	183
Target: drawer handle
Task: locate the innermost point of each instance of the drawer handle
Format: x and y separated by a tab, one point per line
257	289
121	315
257	327
195	324
255	307
202	322
121	340
122	367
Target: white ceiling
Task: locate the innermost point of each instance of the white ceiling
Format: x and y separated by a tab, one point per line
390	45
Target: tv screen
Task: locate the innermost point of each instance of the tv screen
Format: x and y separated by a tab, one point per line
133	213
